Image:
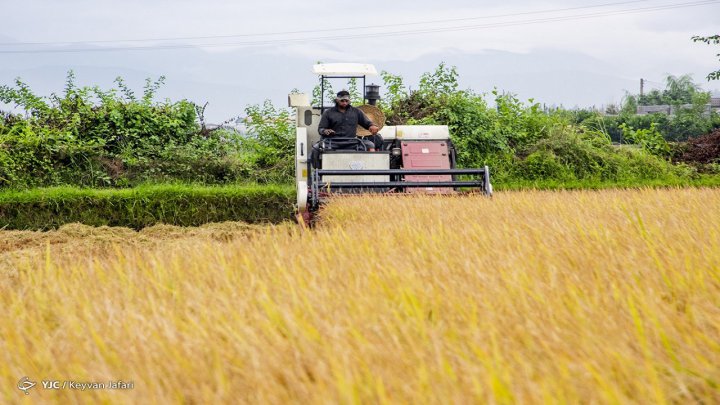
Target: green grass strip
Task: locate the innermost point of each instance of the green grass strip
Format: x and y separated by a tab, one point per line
193	205
184	205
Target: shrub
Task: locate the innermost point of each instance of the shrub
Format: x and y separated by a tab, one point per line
543	165
521	141
649	139
93	137
270	143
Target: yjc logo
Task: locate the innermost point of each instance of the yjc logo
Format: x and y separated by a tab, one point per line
25	384
51	385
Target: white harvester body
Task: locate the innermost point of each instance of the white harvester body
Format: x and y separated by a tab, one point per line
413	158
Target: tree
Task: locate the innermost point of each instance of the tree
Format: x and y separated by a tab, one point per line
679	90
630	104
653	97
713	39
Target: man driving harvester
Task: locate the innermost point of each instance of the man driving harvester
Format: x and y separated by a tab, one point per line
338	126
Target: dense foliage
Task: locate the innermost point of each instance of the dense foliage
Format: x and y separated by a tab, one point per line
270	146
114	138
691	114
678	91
524	143
93	137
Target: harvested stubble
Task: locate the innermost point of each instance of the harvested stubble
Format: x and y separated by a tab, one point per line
593	297
78	239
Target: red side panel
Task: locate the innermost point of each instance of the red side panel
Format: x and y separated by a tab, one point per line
426	155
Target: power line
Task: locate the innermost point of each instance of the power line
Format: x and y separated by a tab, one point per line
654	82
378	34
366	27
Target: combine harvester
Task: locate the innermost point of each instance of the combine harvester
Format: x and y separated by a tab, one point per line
413	158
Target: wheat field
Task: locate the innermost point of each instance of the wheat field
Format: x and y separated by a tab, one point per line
528	297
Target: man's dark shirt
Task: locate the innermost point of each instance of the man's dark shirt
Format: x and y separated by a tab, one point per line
343	123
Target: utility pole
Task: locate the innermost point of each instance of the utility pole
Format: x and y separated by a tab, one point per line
642	86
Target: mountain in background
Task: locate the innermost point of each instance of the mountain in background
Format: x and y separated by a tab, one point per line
230	80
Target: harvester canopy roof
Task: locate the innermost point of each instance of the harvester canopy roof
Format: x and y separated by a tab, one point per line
344	69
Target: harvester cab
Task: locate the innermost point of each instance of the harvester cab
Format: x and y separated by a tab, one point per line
412	158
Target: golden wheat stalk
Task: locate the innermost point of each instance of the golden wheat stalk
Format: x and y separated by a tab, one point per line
530	297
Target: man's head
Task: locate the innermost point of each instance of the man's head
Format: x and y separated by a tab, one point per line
343	98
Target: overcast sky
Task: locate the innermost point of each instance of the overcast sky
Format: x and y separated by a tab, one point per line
234	53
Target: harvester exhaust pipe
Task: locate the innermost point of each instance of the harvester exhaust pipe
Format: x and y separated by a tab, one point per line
372	93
